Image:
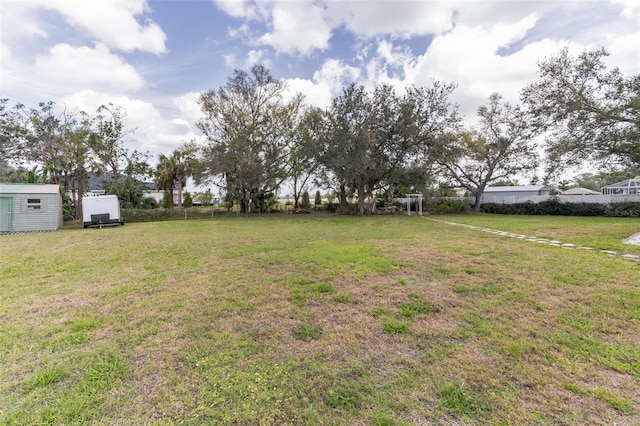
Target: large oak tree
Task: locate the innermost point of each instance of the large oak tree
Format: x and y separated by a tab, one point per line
586	111
249	127
498	148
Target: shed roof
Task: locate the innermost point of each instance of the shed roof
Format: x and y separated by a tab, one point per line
521	188
28	188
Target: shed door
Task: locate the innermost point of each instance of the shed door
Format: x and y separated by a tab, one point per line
5	214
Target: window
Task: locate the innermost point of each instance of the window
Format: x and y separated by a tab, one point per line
34	204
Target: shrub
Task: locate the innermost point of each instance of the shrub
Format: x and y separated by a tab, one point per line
187	202
630	209
332	207
554	207
446	206
305	203
148	203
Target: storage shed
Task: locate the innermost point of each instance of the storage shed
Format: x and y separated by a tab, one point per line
30	207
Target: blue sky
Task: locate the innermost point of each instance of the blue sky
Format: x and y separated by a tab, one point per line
154	57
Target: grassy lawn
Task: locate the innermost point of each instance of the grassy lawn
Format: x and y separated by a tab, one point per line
598	232
320	320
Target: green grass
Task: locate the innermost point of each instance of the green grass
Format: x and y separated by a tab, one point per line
307	332
321	320
602	233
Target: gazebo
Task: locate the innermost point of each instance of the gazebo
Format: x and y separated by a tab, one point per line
626	187
417	197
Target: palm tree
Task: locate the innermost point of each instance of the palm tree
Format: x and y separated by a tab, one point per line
165	176
176	168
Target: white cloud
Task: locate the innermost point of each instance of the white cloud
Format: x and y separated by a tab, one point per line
316	94
188	106
298	27
79	67
237	8
153	131
630	8
468	56
240	32
113	22
230	61
335	74
18	20
402	18
256	57
624	52
326	84
253	57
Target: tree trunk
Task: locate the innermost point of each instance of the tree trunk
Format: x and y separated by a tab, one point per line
360	200
372	204
246	199
179	192
342	195
478	196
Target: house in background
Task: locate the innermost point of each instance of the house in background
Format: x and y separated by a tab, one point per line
30	207
96	187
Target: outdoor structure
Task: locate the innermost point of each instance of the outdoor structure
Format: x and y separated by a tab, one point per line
626	187
418	198
513	194
30	207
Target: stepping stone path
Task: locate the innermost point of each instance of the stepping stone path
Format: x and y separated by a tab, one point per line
540	240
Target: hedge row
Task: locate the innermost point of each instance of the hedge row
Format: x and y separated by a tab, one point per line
557	208
444	206
549	207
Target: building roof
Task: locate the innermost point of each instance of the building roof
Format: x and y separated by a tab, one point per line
580	191
521	188
28	188
629	183
96	182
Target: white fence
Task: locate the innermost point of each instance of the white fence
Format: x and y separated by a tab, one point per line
590	199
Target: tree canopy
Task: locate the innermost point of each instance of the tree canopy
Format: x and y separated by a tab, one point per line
368	138
498	148
249	128
586	111
259	138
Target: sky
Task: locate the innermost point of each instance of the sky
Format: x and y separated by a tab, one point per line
154	57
